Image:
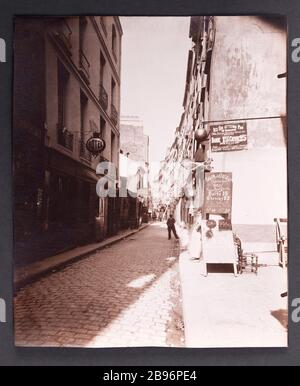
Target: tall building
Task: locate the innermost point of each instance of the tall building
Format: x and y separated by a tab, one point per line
134	145
234	117
133	140
66	89
252	51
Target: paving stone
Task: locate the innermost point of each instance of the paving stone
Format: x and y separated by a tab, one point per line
116	297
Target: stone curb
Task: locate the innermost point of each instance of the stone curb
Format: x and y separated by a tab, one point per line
25	276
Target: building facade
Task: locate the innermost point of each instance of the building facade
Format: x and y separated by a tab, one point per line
232	87
133	141
134	164
253	95
66	89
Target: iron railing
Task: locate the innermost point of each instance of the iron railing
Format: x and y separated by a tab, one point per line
65	138
63	34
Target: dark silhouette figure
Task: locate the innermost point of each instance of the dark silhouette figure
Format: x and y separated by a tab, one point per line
171	227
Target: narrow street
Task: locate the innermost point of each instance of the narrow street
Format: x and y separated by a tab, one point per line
127	294
101	178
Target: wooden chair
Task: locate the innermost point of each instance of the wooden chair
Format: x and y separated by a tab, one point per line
246	260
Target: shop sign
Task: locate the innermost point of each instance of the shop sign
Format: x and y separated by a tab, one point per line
95	144
229	137
218	193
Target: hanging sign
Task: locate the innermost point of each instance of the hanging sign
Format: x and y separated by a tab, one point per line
95	144
230	137
218	193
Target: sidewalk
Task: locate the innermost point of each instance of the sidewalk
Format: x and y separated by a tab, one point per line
25	275
221	310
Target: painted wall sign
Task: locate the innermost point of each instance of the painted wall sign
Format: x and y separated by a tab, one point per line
218	193
230	137
95	144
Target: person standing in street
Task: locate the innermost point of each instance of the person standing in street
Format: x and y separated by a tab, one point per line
171	227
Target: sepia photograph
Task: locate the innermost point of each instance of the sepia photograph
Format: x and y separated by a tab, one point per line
150	181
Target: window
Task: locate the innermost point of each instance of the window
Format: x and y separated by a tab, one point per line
113	112
114	41
84	64
62	203
103	96
85	202
64	136
102	67
112	146
62	81
103	24
83	111
82	28
102	127
63	34
101	206
83	127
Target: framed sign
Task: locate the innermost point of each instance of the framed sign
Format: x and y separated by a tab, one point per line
218	193
229	137
95	144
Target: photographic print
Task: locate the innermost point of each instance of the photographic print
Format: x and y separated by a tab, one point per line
150	181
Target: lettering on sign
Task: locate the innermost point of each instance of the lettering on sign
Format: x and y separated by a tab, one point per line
229	137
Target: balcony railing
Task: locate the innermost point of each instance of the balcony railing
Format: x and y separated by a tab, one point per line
114	115
63	34
84	65
83	152
103	97
65	138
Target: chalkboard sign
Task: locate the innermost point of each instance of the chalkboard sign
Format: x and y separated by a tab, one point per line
218	193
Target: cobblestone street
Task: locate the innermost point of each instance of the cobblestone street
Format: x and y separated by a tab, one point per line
127	294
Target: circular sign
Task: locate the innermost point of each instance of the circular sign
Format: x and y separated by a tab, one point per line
211	224
95	145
